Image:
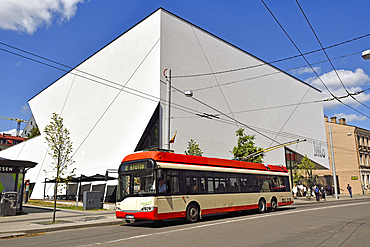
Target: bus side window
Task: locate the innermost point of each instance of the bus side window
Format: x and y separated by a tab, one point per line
210	185
175	185
187	185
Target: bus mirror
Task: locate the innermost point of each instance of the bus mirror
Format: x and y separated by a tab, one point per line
106	176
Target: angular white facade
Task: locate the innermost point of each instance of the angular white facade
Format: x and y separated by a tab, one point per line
108	101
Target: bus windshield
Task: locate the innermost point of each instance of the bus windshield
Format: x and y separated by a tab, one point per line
136	182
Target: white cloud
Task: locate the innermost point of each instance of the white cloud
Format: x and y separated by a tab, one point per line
353	80
350	117
303	70
12	132
26	16
25	109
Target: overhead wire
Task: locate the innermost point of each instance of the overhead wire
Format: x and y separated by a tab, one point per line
178	107
326	54
309	63
215	77
269	63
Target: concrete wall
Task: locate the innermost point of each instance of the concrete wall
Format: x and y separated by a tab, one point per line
250	96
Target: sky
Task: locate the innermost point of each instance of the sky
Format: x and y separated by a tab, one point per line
69	31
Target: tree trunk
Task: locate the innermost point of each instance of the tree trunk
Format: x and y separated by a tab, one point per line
55	198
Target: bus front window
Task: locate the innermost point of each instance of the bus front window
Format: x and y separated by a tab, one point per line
143	182
123	186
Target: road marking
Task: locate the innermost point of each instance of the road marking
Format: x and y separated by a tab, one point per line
229	221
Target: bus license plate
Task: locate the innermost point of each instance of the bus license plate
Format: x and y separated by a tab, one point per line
130	217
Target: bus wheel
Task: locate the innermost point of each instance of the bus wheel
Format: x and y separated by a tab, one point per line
262	206
274	205
192	213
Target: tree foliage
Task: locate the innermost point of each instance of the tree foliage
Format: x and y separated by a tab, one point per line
60	149
245	147
193	149
304	171
34	131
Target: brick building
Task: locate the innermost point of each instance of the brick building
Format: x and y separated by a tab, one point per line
351	155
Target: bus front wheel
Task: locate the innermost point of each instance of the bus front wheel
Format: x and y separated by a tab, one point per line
262	206
192	213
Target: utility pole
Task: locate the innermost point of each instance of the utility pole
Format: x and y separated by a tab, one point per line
333	164
167	130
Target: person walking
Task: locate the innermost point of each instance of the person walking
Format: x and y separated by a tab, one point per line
295	190
317	193
323	194
349	188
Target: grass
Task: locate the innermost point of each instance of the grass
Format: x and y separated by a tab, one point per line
59	205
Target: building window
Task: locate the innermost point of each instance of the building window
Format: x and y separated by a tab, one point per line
366	160
358	140
361	162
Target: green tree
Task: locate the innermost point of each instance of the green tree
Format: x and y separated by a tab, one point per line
34	131
60	149
307	169
245	147
193	149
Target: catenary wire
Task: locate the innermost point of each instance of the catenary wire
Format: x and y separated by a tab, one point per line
310	64
136	94
98	81
327	56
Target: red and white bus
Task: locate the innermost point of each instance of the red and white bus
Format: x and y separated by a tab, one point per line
162	185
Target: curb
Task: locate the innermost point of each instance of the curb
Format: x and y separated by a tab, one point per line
23	233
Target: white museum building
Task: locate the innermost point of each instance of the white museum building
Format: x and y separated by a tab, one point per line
114	103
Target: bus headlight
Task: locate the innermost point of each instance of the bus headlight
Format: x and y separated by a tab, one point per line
147	209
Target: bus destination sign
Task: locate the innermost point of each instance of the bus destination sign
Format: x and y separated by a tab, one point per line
141	165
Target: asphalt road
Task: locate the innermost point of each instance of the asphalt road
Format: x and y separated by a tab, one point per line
345	223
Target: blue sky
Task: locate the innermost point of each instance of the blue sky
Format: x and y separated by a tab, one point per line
69	31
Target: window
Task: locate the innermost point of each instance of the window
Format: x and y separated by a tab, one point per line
361	161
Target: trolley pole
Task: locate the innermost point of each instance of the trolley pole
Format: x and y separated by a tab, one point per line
167	130
333	164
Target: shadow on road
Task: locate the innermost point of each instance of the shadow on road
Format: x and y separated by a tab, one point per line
208	218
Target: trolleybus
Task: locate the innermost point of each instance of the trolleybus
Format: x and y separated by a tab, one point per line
157	185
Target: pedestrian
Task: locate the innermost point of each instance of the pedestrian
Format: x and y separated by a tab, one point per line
309	193
323	192
349	188
304	191
300	187
317	193
295	190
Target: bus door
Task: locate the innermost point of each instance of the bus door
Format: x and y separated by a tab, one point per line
169	198
232	189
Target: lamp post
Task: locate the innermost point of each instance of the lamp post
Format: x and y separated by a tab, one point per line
168	110
167	131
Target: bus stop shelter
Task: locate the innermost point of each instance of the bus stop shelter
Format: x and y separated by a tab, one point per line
12	174
76	188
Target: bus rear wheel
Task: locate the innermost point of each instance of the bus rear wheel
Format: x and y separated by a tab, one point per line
274	205
262	206
192	213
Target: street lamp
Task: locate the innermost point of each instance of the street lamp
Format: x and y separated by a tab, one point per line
366	55
167	131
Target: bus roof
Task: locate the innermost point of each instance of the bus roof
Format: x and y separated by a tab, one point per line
200	160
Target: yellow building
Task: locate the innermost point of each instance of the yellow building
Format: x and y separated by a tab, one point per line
351	155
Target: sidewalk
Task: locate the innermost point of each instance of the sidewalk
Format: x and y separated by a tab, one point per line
26	224
330	198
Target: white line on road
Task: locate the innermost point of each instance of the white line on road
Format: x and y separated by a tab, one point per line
229	221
